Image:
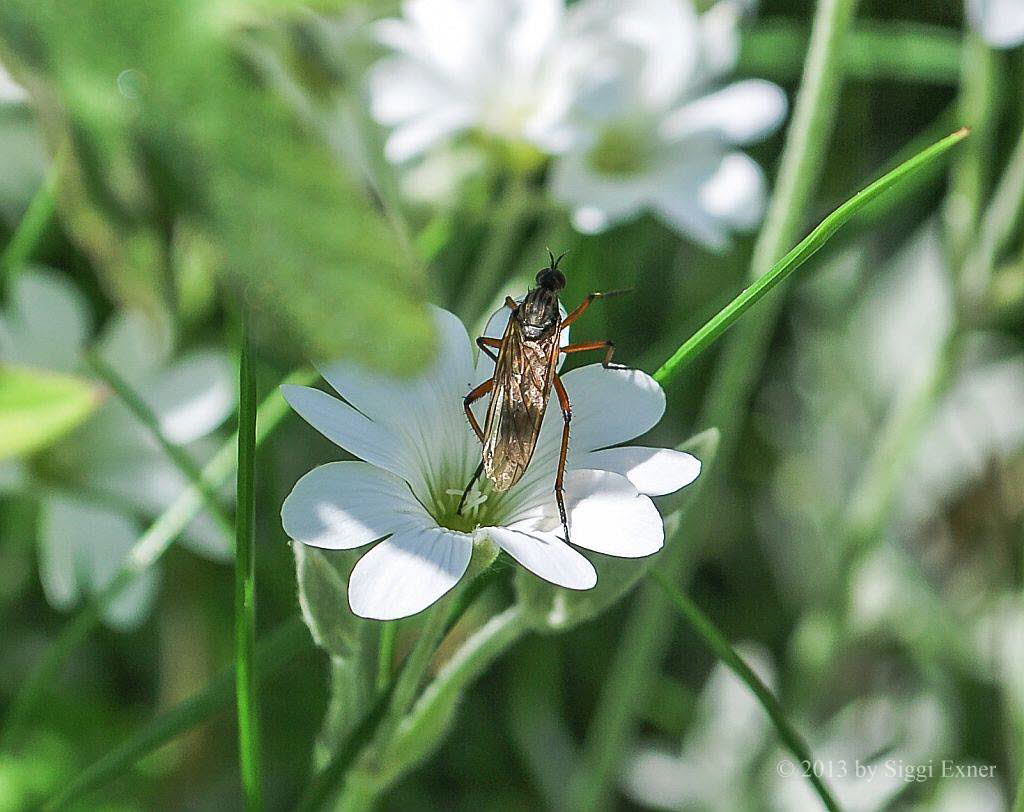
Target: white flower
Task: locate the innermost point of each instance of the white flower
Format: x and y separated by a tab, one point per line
722	742
460	64
652	130
419	453
10	91
1000	22
97	481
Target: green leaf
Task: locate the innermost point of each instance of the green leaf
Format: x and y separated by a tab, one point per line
350	641
555	609
175	114
38	406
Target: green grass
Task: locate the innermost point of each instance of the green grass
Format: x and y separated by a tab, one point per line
245	580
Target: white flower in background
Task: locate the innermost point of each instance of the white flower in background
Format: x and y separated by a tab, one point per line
96	483
893	733
655	130
721	744
492	65
1000	22
10	91
419	453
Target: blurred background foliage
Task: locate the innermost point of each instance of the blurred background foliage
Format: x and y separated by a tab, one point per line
863	537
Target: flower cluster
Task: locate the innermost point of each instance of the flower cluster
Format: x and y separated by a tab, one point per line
626	98
418	453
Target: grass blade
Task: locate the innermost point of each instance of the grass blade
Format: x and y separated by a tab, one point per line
245	579
33	224
272	653
150	546
797	256
720	646
145	415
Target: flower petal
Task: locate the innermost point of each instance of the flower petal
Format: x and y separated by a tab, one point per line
136	344
608	515
610	406
741	113
423	414
545	555
735	193
417	135
727	193
343	505
1000	22
408	572
82	548
653	471
599	200
45	323
347	428
395	401
193	396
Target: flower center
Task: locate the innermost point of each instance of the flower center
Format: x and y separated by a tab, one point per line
469	519
621	149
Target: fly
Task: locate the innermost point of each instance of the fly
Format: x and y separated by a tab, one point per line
524	374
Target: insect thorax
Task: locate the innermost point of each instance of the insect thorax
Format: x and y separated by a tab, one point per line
538	314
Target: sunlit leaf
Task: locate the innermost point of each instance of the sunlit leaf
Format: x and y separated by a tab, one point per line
37	407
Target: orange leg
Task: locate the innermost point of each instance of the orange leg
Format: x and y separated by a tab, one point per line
579	311
470	399
563	401
607	346
485	343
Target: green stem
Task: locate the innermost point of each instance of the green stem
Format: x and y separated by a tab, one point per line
979	104
245	578
385	655
484	646
736	375
718	644
324	785
996	229
415	668
38	215
272	654
146	551
145	415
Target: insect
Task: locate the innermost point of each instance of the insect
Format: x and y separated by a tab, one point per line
524	374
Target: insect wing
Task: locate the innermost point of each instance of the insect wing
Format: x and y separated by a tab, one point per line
522	384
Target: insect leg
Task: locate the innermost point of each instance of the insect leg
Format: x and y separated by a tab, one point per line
486	342
563	401
471	398
465	493
607	346
579	311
